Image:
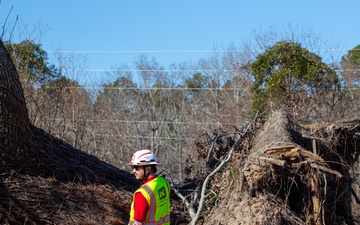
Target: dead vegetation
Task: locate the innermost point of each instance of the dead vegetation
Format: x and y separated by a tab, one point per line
36	200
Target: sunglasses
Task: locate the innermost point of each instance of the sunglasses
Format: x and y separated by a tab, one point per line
137	168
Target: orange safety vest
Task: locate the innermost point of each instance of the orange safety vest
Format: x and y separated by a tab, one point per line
157	194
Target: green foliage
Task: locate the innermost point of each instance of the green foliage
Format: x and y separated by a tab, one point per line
350	64
118	95
58	87
287	72
31	62
353	56
127	86
47	92
196	83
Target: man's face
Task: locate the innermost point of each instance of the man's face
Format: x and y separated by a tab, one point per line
139	172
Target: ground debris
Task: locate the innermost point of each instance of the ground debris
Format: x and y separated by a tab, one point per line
37	200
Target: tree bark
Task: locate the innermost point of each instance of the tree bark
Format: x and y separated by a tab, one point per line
14	119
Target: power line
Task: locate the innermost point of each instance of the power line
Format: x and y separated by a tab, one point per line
148	88
172	70
158	70
177	51
147	137
143	121
168	88
139	51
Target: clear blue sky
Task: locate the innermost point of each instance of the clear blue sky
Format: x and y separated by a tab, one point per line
114	32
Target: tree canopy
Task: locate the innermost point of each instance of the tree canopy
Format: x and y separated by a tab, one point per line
288	73
32	62
351	66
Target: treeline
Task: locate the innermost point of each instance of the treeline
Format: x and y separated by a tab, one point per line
167	109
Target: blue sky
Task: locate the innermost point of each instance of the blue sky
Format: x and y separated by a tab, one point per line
115	32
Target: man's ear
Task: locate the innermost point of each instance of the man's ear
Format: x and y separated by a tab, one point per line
148	169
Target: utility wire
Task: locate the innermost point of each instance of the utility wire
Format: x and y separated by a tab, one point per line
141	121
175	51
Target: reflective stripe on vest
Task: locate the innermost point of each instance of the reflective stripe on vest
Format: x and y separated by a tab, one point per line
165	219
152	209
152	206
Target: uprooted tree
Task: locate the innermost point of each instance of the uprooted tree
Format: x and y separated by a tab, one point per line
282	172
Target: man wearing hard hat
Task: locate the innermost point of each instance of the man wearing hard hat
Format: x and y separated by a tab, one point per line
151	202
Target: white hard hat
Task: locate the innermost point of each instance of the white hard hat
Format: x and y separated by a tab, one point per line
144	157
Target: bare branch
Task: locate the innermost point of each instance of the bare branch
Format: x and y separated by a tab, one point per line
195	218
12	31
213	141
316	166
188	205
3	27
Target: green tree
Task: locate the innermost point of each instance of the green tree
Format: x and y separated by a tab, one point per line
195	84
118	95
350	72
350	64
31	61
56	88
287	73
